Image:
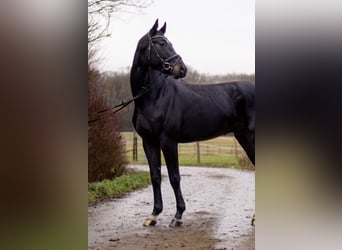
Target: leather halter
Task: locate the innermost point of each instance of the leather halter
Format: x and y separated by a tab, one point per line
166	65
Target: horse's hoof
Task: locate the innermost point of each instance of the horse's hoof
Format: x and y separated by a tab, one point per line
175	223
253	220
150	221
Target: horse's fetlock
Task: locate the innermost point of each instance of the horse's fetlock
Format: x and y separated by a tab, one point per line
157	210
181	208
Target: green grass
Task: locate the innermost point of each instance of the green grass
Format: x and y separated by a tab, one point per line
118	186
208	160
228	161
205	160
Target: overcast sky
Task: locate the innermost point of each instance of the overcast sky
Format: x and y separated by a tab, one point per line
216	36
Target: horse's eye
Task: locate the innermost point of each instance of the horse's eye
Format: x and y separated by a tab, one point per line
162	43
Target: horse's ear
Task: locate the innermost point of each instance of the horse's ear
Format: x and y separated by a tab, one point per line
163	29
153	30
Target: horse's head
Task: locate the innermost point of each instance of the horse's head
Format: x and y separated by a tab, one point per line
155	50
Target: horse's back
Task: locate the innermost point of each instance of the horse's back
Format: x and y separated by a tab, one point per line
209	110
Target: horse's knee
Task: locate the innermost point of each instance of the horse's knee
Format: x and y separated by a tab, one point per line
156	180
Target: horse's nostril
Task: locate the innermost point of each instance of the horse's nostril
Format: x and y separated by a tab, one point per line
183	70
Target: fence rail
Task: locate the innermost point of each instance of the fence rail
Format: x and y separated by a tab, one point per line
220	146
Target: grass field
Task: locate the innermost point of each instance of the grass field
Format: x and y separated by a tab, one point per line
223	151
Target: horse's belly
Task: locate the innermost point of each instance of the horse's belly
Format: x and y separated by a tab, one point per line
201	128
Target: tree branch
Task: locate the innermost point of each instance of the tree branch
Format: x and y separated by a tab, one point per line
100	13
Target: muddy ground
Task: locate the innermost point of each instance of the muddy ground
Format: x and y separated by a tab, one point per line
219	206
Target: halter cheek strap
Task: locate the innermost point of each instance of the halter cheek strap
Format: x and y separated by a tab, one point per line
167	66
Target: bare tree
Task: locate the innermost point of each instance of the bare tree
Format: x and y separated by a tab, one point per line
100	13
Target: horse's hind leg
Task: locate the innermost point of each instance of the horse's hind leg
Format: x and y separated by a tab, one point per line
246	138
152	151
170	152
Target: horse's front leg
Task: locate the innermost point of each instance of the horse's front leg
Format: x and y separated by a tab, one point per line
152	151
170	151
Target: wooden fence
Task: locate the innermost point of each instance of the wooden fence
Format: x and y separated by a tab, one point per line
220	146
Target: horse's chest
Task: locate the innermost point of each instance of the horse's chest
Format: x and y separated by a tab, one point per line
148	123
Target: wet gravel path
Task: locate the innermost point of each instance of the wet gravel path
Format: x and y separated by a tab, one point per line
219	206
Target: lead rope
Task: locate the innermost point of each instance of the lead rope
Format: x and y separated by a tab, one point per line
110	111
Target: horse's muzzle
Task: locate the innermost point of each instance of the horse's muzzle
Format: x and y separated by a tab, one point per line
179	70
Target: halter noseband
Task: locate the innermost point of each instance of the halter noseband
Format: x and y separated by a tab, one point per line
167	66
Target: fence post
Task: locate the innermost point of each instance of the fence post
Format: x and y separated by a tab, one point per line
135	147
198	152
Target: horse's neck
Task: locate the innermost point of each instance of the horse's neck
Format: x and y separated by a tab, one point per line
139	79
142	78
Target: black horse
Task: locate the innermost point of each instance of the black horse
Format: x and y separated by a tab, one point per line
168	111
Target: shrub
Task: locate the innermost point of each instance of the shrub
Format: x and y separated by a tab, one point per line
106	158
